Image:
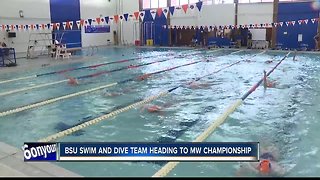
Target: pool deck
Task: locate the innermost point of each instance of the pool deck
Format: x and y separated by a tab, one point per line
12	165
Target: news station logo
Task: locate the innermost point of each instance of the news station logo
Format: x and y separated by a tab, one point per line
40	151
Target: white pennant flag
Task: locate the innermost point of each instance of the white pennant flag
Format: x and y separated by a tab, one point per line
71	24
287	23
293	23
165	12
58	26
64	25
281	24
78	24
153	14
192	8
299	22
142	14
306	21
51	26
313	20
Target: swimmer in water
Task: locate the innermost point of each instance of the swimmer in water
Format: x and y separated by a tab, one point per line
268	61
114	94
267	166
143	77
196	85
151	108
266	82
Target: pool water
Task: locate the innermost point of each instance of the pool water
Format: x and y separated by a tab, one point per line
286	117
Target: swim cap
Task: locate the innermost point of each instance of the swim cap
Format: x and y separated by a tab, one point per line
265	166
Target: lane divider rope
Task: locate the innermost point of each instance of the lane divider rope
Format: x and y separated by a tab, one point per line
165	170
50	101
116	112
89	76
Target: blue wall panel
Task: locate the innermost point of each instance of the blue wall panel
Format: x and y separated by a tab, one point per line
67	10
160	34
288	35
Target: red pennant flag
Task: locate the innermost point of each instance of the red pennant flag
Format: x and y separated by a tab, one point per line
116	18
98	20
21	26
81	22
136	14
159	12
42	26
185	8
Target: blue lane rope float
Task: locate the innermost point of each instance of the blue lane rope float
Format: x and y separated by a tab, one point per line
124	109
52	100
92	75
165	170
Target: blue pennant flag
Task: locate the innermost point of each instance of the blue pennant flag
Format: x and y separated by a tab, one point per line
199	5
126	16
171	9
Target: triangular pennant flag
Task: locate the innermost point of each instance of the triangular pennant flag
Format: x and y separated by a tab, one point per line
98	20
136	15
121	18
102	20
111	20
21	27
153	14
32	27
185	7
165	11
199	5
293	23
64	24
52	25
171	9
58	26
48	26
142	13
16	27
287	23
71	24
159	12
116	18
26	27
106	19
299	22
90	21
313	20
281	24
126	16
78	24
42	26
86	22
192	7
81	22
306	21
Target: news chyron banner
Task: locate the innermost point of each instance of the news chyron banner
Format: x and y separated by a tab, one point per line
209	151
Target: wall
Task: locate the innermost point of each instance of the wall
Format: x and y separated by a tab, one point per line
255	13
288	36
93	9
209	15
63	11
129	30
35	11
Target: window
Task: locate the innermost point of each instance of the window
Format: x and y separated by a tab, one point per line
163	3
182	2
174	2
154	3
146	4
193	1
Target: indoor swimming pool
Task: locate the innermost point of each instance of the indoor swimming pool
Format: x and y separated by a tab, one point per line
286	117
